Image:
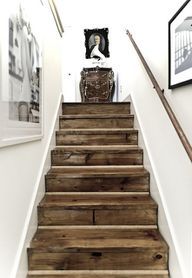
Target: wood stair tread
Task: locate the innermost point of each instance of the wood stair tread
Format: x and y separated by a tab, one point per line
97	171
95	108
96	130
102	239
93	201
97	116
107	148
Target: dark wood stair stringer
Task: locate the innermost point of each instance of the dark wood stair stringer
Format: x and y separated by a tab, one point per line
97	218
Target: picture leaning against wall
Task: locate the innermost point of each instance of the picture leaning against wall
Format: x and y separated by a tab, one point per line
180	46
21	96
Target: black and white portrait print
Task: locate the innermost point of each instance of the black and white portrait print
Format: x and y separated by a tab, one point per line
96	43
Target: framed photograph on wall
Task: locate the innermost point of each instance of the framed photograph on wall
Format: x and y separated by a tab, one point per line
180	46
96	43
21	103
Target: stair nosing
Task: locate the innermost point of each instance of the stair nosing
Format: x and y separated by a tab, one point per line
100	272
98	193
99	227
99	129
96	116
129	147
99	166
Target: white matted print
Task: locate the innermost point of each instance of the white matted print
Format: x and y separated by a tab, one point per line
21	73
180	47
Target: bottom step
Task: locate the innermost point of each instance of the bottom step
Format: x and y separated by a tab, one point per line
99	274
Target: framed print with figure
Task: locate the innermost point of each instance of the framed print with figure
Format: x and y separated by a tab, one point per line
180	47
96	43
21	59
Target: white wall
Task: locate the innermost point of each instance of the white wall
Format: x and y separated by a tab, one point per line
170	164
20	165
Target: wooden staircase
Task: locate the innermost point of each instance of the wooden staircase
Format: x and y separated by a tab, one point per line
97	218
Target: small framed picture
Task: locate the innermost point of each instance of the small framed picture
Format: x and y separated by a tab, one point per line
96	43
180	47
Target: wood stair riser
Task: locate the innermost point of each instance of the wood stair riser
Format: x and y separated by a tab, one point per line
100	157
95	108
65	123
124	138
105	184
96	260
111	237
64	216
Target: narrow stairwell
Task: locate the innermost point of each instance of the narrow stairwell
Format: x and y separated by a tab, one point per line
97	218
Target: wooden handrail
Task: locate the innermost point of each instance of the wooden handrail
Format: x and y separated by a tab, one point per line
164	101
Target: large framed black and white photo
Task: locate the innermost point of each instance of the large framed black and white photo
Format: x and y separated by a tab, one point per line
180	46
21	103
96	43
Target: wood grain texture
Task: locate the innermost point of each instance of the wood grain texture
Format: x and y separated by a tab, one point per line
97	218
97	155
108	209
98	184
97	137
106	238
87	260
95	108
96	121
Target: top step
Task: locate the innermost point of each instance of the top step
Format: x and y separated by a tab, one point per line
76	108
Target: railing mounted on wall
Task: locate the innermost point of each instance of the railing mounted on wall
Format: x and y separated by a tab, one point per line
166	105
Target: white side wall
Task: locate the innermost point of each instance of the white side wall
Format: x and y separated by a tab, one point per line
20	165
171	167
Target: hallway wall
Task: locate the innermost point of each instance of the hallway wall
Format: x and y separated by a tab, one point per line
20	165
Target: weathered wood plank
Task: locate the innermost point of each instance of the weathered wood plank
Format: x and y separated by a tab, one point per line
79	209
98	184
106	155
95	108
60	239
60	216
82	260
97	137
96	121
98	201
97	171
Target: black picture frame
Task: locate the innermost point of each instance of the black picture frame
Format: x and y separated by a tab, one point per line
180	47
89	41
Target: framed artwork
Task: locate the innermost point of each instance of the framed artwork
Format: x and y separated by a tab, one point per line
21	103
56	16
180	46
96	43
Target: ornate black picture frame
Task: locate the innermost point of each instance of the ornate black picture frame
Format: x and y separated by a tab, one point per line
180	47
92	36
